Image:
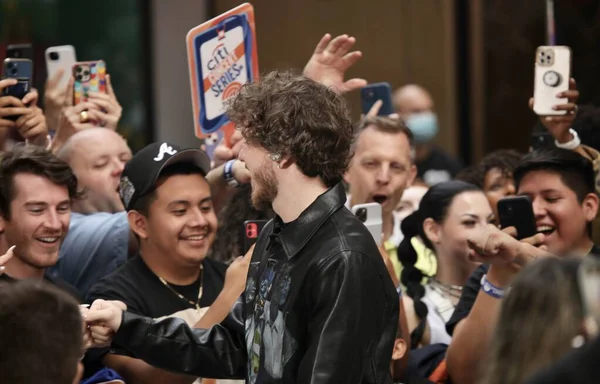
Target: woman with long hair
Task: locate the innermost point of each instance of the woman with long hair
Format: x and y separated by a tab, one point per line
540	320
448	214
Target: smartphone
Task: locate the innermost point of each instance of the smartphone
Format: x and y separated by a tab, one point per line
22	70
60	57
517	211
19	51
90	76
252	229
370	215
552	74
542	140
589	286
373	92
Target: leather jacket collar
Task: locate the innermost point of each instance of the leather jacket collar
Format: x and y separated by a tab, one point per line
295	234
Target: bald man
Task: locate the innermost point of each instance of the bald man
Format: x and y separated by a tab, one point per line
415	105
99	239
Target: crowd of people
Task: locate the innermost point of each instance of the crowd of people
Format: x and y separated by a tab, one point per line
123	267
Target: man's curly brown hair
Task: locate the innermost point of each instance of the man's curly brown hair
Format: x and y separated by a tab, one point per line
295	117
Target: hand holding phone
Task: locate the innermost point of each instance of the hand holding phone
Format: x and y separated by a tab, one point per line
517	212
89	76
372	93
370	214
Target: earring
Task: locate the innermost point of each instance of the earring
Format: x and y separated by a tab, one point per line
279	166
275	157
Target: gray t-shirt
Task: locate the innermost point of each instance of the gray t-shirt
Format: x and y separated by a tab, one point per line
95	246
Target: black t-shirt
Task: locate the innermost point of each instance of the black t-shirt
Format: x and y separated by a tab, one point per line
471	290
52	280
144	294
437	167
138	287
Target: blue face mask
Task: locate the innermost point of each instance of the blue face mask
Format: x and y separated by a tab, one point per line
424	126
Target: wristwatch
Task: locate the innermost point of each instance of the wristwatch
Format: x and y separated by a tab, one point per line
228	174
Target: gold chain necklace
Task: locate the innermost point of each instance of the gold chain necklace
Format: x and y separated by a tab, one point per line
195	304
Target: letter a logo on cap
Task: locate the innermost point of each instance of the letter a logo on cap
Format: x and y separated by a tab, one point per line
164	149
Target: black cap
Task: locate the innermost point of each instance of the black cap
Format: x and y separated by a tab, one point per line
141	172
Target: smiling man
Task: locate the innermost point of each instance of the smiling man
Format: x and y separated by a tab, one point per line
169	208
561	186
380	170
36	192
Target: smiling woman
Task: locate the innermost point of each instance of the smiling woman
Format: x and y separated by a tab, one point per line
448	214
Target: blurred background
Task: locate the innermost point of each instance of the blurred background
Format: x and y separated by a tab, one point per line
475	56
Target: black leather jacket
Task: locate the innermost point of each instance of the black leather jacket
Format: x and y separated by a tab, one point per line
319	307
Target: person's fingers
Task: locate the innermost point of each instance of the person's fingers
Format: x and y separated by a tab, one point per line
512	231
31	98
6	101
536	239
119	304
7	83
336	44
14	111
374	110
572	84
235	138
248	254
569	107
4	123
394	116
53	81
572	96
77	109
354	84
99	316
24	119
345	46
69	92
4	258
223	154
110	89
350	59
323	43
102	101
531	101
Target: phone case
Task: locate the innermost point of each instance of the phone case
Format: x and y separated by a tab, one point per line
517	211
370	215
61	57
252	229
552	74
378	91
22	70
90	76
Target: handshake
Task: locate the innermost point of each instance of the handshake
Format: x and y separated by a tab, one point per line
100	322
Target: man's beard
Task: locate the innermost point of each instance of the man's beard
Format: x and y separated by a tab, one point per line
264	189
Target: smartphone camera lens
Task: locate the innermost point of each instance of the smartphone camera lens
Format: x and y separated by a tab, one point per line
10	65
361	214
54	56
13	71
78	70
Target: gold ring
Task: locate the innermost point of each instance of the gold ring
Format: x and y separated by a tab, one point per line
83	117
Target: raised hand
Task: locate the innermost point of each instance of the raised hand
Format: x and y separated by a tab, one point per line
331	60
4	258
108	111
559	126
